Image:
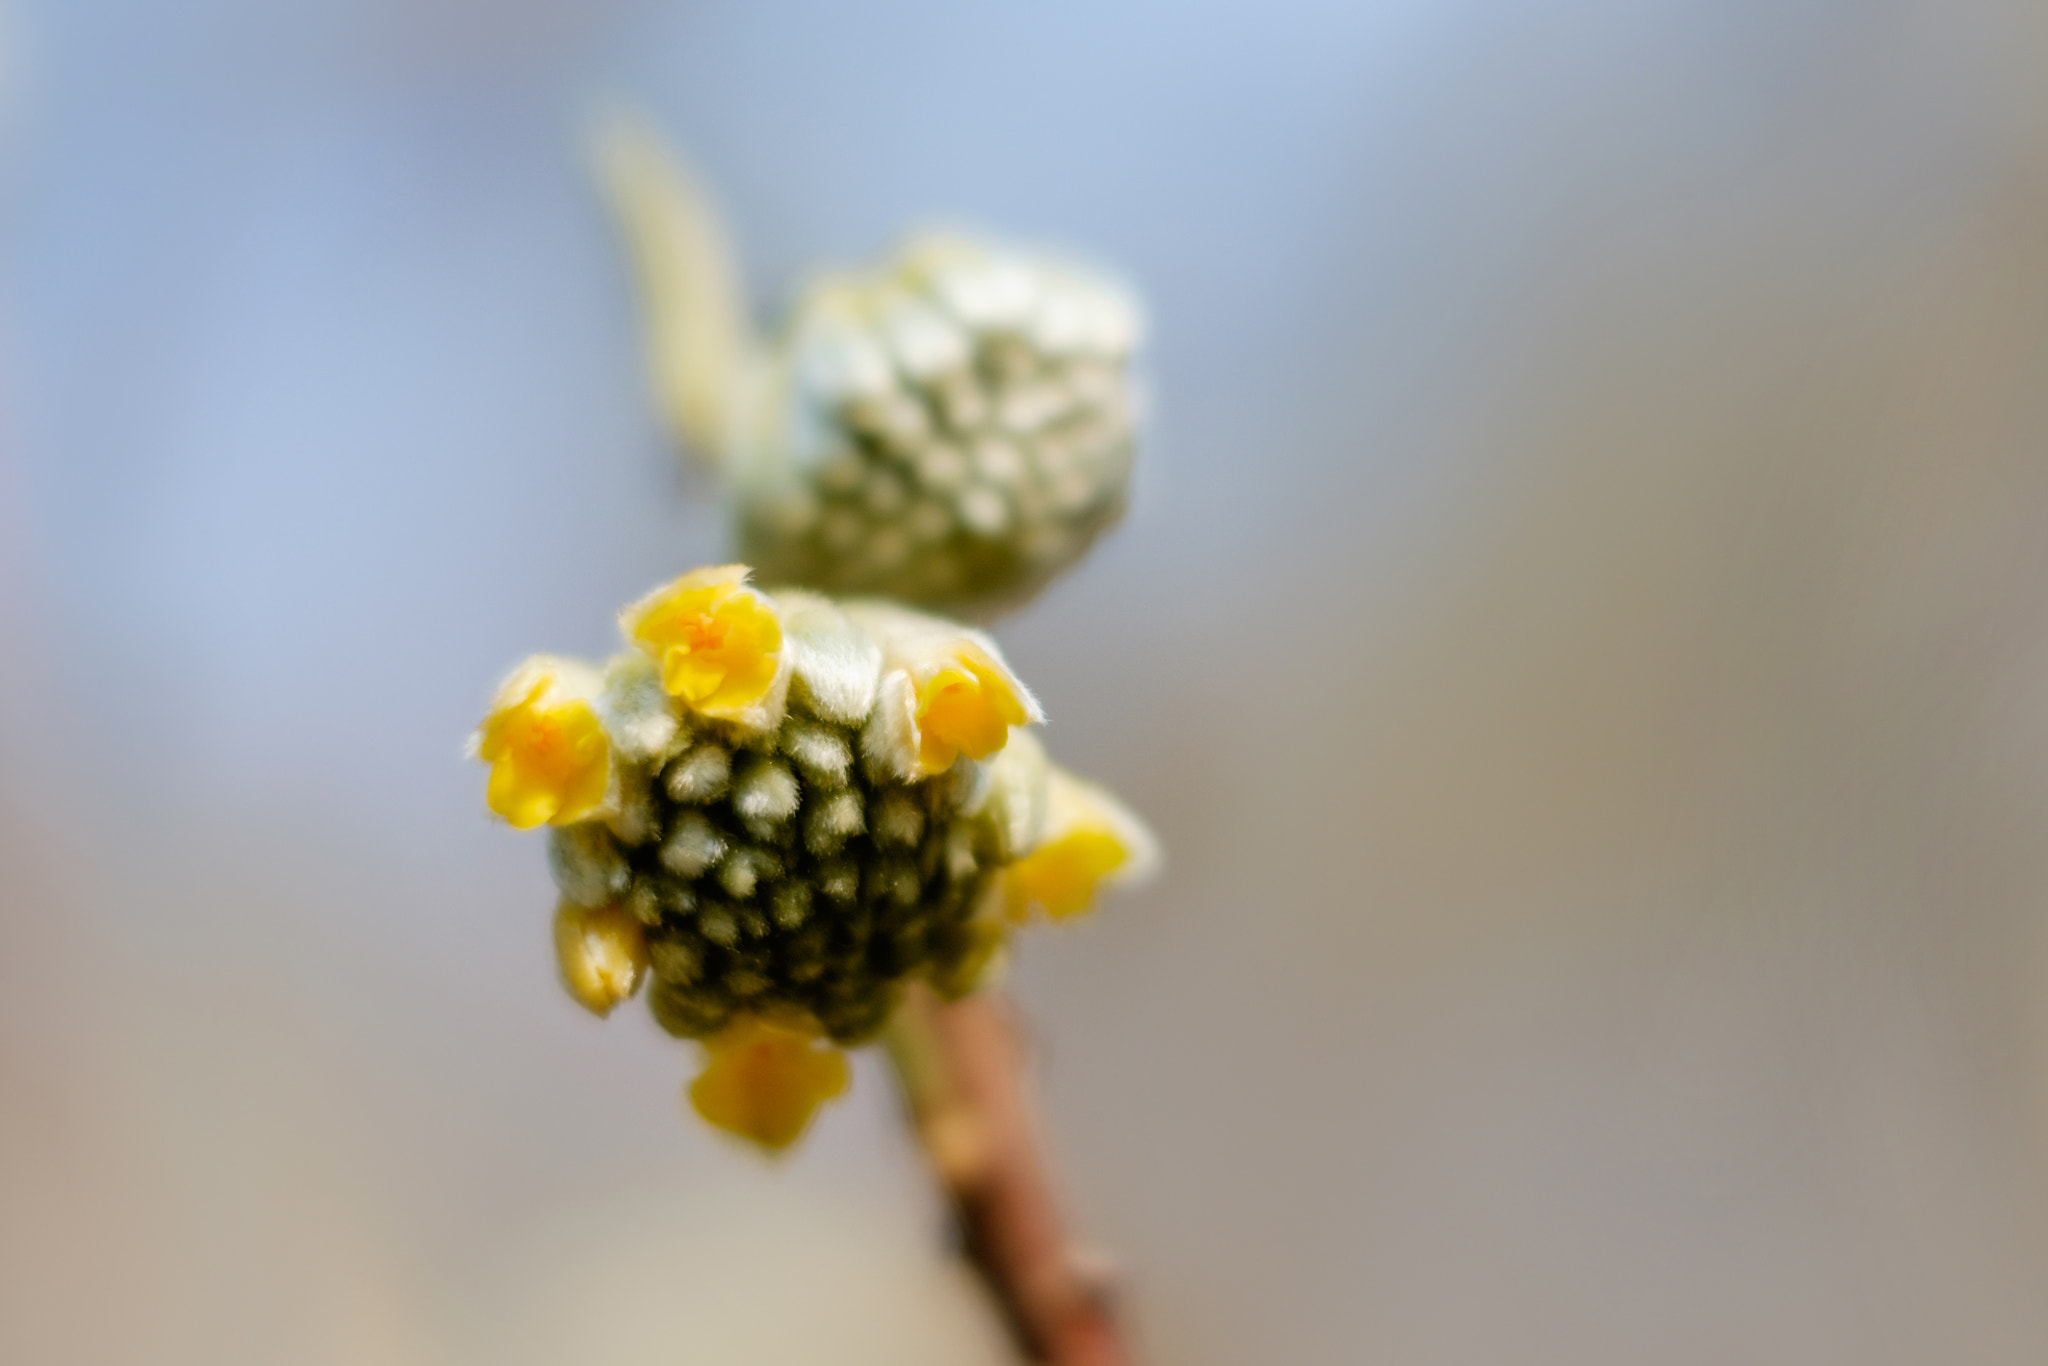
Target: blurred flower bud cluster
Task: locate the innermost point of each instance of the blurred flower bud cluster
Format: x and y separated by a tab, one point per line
951	429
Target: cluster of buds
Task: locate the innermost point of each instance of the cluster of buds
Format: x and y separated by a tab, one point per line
951	429
774	811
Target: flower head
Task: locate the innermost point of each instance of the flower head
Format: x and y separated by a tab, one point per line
951	429
777	862
550	761
765	1079
718	643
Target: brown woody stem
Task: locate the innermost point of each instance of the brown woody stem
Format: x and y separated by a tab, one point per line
961	1067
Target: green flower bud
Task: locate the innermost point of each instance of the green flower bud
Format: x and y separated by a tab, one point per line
952	430
949	430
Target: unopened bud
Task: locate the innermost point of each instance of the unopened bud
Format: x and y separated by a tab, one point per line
950	430
602	952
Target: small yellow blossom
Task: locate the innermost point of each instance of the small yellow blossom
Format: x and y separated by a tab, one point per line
1089	839
549	758
603	954
1061	875
765	1079
947	692
966	704
718	642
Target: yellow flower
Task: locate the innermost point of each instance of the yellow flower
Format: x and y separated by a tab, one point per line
766	1079
549	758
602	952
1089	839
718	642
947	692
1061	875
966	704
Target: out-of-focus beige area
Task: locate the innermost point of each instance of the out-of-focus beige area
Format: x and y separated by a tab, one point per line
1583	643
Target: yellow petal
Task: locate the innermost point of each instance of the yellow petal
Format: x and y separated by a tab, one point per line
693	677
955	693
602	952
1062	874
1088	839
718	642
965	705
549	758
765	1080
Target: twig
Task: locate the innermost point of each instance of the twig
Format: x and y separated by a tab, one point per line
961	1067
698	333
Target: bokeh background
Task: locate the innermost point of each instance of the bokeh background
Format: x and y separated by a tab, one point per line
1583	641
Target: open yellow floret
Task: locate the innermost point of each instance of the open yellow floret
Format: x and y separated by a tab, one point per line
965	705
766	1079
550	761
1061	875
718	642
1089	839
945	692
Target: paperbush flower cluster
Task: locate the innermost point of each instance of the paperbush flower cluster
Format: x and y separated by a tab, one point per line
952	430
772	811
949	430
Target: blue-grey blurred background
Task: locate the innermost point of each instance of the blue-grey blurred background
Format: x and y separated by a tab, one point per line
1583	641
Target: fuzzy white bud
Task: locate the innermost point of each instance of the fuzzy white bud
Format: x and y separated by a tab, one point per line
952	429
